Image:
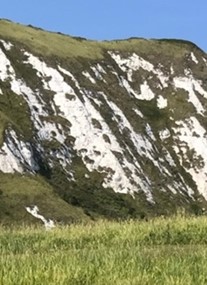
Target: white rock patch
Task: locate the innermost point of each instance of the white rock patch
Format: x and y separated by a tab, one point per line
139	113
6	69
97	71
15	155
164	134
146	92
7	45
191	85
134	63
205	60
8	162
172	72
49	224
161	102
150	132
192	136
193	57
50	131
124	83
87	75
68	73
100	69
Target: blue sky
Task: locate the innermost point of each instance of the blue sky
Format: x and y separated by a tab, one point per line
114	19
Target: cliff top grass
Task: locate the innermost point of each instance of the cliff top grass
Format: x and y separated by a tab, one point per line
60	45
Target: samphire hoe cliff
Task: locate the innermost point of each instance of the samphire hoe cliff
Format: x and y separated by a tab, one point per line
100	129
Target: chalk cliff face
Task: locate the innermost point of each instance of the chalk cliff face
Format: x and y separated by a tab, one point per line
114	129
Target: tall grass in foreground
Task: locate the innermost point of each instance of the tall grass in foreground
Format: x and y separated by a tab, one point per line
160	251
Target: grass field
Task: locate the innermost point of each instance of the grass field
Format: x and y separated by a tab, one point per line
160	251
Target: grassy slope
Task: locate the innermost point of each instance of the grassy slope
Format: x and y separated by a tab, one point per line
65	46
20	191
160	251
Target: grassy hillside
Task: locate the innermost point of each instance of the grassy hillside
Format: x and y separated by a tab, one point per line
20	191
160	251
61	45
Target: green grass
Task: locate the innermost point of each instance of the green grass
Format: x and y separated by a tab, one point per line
37	40
20	191
66	46
160	251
